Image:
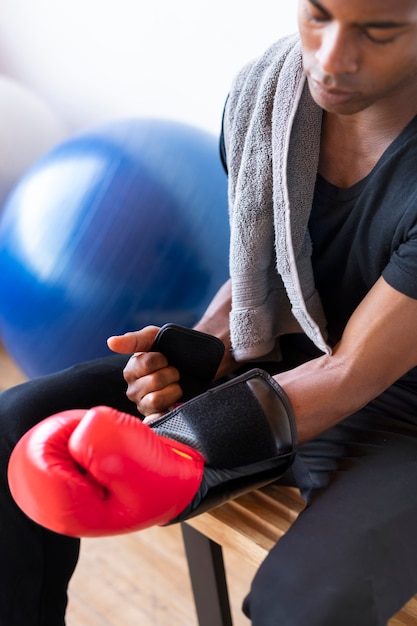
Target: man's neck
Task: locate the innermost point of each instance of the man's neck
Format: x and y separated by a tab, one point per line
352	145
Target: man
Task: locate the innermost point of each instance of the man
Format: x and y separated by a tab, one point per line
351	379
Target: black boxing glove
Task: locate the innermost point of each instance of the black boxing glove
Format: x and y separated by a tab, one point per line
244	429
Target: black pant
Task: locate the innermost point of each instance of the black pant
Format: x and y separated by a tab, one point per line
350	559
35	564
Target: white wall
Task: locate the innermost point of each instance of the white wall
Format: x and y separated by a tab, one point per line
96	60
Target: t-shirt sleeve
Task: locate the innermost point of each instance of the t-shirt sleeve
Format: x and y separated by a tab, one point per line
401	271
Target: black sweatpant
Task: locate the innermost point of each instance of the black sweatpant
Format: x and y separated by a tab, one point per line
350	559
35	564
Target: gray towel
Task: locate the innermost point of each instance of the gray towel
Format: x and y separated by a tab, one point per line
272	138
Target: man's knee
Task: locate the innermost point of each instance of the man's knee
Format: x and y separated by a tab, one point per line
295	593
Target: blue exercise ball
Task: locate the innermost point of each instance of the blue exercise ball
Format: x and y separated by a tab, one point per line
119	227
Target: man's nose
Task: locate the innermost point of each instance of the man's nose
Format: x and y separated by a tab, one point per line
338	52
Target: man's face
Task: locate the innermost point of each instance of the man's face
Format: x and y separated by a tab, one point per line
359	52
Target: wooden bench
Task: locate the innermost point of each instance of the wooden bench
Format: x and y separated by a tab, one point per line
249	525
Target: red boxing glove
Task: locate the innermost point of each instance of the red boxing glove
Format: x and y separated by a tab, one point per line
101	472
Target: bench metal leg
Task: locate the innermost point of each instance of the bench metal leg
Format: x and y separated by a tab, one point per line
208	579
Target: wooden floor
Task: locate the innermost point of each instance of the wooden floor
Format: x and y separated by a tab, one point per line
141	578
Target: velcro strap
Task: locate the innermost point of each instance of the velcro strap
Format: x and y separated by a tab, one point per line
243	421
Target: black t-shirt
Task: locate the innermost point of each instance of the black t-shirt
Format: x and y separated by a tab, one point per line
367	230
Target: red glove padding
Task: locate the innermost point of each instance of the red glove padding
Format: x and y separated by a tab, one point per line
101	472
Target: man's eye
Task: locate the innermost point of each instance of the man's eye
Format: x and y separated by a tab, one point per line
317	16
379	36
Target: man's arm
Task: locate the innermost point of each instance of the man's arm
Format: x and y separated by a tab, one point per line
215	321
378	346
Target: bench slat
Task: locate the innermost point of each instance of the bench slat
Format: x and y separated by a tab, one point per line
251	524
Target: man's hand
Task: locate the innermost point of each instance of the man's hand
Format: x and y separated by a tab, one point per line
152	383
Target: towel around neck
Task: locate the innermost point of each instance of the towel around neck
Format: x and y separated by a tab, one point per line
272	139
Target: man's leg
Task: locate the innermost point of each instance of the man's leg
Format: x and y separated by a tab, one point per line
350	558
36	564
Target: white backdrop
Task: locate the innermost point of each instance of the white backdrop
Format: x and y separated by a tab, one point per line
96	60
